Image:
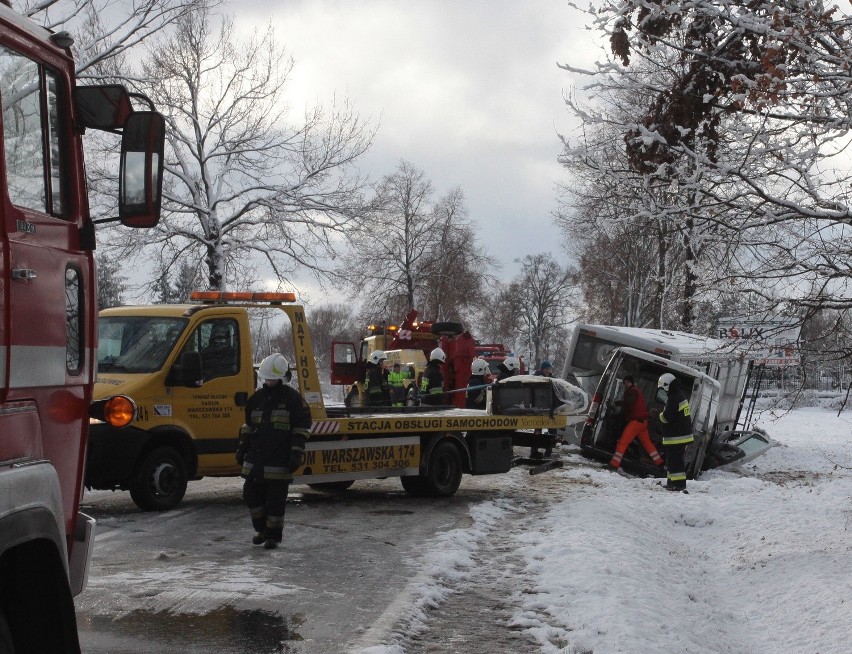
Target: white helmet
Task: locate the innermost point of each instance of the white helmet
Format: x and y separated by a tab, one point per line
665	381
511	364
479	367
275	366
377	356
437	355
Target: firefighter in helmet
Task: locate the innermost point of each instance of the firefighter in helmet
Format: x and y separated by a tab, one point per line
271	449
479	374
376	386
432	383
676	422
509	367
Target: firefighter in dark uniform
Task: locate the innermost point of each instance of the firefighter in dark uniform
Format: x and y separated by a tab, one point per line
476	397
509	367
272	446
432	383
676	423
376	387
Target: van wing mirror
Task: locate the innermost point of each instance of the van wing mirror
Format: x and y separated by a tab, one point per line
141	176
187	371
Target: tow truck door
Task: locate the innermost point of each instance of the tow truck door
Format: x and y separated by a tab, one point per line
213	411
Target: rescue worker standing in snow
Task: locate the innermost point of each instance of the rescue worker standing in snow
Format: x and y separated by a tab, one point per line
376	382
636	415
509	367
475	397
432	384
272	446
677	431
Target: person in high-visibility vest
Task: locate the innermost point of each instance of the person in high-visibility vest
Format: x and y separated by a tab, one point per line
676	421
396	381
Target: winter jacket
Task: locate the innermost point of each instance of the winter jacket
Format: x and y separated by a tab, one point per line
476	398
675	419
272	442
432	384
634	404
376	386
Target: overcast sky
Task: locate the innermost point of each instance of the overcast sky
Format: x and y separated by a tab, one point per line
467	91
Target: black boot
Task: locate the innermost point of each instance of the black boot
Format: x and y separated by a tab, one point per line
258	539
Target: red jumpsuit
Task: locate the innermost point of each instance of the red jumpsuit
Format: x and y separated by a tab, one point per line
636	414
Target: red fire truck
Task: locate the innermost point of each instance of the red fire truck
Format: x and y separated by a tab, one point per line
48	331
408	343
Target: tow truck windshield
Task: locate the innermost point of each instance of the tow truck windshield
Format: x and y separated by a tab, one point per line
136	344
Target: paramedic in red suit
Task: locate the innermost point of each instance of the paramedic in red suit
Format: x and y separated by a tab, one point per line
636	415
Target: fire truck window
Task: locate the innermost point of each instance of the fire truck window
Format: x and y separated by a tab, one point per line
57	208
23	145
73	321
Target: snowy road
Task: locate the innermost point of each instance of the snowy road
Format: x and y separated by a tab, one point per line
189	580
755	560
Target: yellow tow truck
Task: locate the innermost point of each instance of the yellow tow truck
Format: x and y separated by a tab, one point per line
189	368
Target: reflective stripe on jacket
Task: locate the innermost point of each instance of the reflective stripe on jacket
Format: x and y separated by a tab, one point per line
278	421
676	419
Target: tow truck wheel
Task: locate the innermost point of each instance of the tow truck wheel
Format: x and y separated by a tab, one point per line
332	486
445	470
160	481
414	485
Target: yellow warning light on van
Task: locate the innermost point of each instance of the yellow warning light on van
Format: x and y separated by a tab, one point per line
119	411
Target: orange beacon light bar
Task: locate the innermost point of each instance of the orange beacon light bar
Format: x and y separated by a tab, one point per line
241	296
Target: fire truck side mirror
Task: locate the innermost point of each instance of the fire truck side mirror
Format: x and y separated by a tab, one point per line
141	177
105	107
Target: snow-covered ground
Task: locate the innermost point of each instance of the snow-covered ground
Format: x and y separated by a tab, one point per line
756	559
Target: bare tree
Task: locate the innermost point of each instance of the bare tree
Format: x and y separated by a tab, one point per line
104	30
111	283
414	252
748	117
241	185
169	289
544	295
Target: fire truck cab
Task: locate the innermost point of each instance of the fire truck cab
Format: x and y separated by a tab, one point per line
48	331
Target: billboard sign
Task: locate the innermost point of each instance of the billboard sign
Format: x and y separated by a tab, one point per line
769	341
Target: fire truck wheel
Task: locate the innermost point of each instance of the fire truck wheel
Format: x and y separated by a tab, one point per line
445	470
332	486
414	485
160	481
447	328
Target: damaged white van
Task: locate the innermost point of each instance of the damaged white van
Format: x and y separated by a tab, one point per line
716	442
